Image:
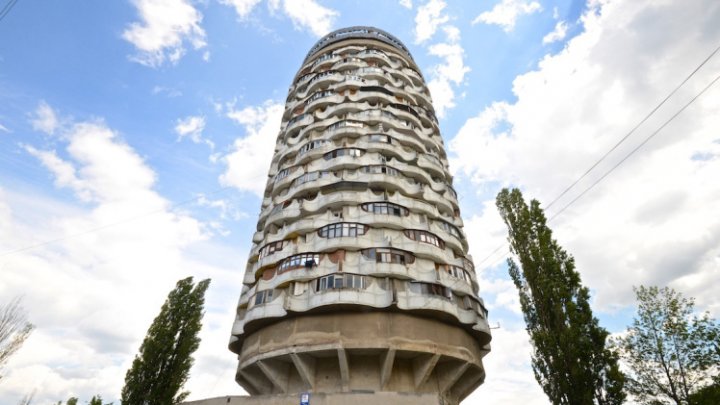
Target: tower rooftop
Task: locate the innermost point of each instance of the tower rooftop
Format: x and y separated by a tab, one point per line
359	32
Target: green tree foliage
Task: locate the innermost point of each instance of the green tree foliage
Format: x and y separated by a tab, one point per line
95	400
571	361
163	365
672	353
708	395
14	329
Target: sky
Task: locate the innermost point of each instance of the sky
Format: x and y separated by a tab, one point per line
135	139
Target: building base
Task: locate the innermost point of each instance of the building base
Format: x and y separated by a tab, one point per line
343	398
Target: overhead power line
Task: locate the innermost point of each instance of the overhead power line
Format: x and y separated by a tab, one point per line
486	258
633	129
6	10
636	148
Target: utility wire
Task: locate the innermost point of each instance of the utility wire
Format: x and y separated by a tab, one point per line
11	3
632	130
617	164
636	148
6	10
486	258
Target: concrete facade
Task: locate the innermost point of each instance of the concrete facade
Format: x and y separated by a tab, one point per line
359	279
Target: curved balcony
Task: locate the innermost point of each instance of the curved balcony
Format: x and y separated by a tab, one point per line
460	285
272	309
322	99
284	177
280	215
324	61
347	63
372	295
419	249
296	124
322	202
437	303
315	214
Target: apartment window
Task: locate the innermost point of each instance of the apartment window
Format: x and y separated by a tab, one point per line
323	58
340	281
272	247
457	272
380	138
284	173
307	260
279	207
451	229
311	145
354	152
308	177
379	89
346	123
296	119
379	169
263	297
387	255
342	229
319	94
425	237
385	208
430	289
468	264
469	303
321	75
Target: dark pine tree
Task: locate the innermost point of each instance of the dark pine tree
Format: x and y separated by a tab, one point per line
163	365
571	361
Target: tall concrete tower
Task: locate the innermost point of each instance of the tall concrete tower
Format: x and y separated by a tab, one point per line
359	279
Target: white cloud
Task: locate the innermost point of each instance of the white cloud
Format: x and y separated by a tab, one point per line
428	19
165	27
449	73
227	209
655	220
557	34
106	273
248	163
45	119
192	127
243	8
310	15
3	128
507	381
454	68
307	15
406	3
445	76
167	91
506	13
63	171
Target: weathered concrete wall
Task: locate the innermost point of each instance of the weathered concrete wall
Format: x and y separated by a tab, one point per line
350	398
362	352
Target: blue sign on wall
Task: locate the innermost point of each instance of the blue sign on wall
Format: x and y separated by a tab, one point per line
305	398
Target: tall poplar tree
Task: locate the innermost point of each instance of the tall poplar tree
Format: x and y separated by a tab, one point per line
163	365
571	361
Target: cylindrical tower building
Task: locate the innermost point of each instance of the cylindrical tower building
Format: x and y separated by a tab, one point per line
359	278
